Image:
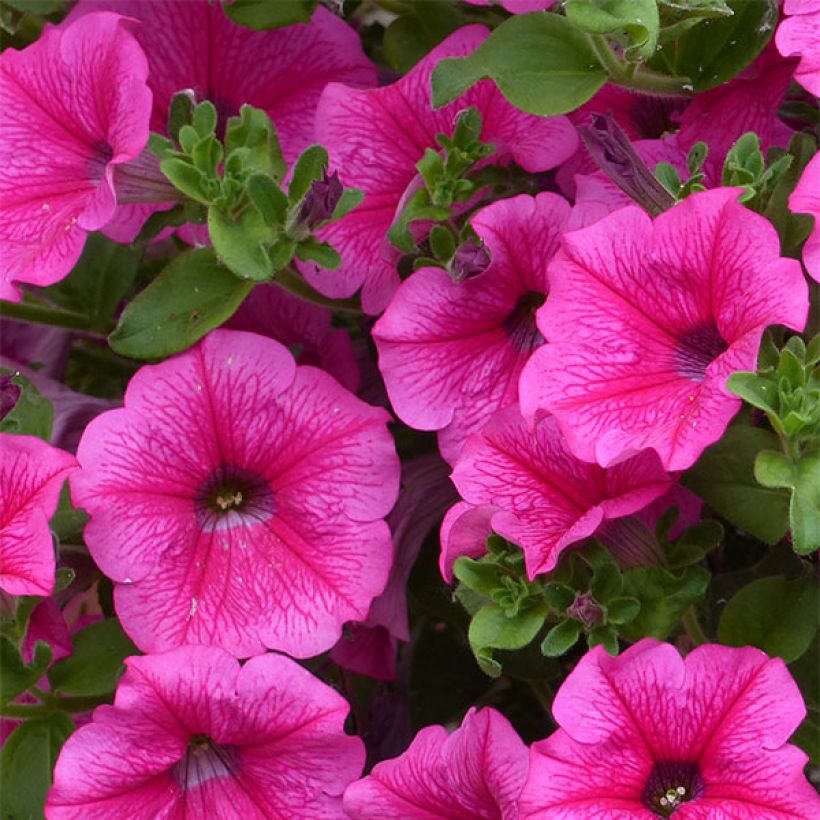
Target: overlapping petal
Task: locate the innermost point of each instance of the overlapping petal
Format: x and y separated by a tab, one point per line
192	734
73	106
239	500
451	352
646	321
376	137
477	772
799	35
32	473
542	497
711	728
806	199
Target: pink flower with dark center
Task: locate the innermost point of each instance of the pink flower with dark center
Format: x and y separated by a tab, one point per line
476	773
31	477
375	138
646	320
73	107
806	199
238	500
530	489
451	352
192	734
799	35
649	734
194	44
303	326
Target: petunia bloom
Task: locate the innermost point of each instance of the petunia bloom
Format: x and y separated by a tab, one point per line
451	352
32	473
73	107
476	773
806	199
374	140
799	35
646	320
192	734
534	492
649	734
238	500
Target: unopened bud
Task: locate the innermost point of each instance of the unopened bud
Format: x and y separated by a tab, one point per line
471	259
320	201
9	395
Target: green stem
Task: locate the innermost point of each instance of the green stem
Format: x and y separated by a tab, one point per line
43	315
55	704
291	281
693	628
629	75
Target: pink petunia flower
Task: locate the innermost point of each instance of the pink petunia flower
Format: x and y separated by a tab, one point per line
451	352
646	320
476	773
535	493
649	734
73	107
806	199
799	35
303	326
375	138
238	500
31	476
192	734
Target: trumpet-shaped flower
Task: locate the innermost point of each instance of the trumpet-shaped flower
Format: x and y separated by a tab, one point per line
649	734
476	773
451	352
529	488
799	35
192	734
31	476
375	138
238	500
646	320
73	107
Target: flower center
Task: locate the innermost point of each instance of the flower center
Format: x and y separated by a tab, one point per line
671	784
697	349
231	496
520	324
204	760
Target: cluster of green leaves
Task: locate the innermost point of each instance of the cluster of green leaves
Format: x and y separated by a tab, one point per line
587	594
256	227
551	63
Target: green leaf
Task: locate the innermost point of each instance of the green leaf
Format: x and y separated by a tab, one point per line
192	295
756	389
418	30
252	138
33	415
27	762
239	243
96	664
267	198
101	279
664	597
558	596
311	165
67	522
606	635
561	638
717	49
15	674
321	253
480	576
724	478
638	18
693	545
180	112
267	14
491	629
185	177
775	615
606	583
204	119
540	62
442	242
622	610
350	199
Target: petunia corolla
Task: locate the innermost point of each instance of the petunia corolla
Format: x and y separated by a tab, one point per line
799	35
475	773
451	352
806	199
646	320
32	473
528	487
374	140
74	106
649	734
191	734
238	500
